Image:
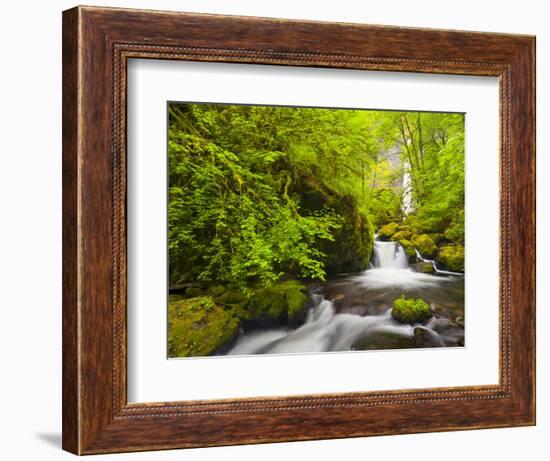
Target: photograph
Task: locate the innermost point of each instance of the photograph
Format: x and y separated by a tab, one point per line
313	229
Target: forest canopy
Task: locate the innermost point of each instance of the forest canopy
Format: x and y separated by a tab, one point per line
259	194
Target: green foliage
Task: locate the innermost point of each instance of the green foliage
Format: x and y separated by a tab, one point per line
408	310
433	149
260	194
385	206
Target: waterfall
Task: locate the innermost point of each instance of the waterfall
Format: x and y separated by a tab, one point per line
391	269
434	265
407	205
389	255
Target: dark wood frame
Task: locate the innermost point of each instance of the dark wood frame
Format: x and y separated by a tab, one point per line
97	43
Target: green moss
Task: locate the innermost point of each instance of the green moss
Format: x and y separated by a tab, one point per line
451	257
283	299
425	245
401	235
409	250
426	268
296	299
198	326
193	291
386	232
437	238
408	310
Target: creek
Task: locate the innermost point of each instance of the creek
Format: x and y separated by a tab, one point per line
353	311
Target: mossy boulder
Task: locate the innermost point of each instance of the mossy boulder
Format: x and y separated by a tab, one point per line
284	301
437	238
408	310
425	268
451	257
409	250
425	245
401	235
199	327
387	231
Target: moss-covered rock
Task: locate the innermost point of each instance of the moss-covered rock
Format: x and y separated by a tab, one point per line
281	302
408	310
425	268
451	257
401	235
409	250
437	238
199	327
425	245
387	231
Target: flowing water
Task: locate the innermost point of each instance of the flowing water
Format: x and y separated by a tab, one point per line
353	312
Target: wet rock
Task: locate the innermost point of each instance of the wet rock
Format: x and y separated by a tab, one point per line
424	267
408	247
386	232
384	340
424	337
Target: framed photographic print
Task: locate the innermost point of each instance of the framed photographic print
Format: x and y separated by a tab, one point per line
285	230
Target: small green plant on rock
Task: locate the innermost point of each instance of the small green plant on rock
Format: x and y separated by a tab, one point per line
408	310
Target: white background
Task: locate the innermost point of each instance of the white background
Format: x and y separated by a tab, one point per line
30	230
152	378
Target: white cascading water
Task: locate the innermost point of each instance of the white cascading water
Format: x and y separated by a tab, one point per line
391	269
407	205
389	255
324	330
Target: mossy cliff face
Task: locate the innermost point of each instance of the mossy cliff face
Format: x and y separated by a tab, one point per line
351	249
198	326
411	311
451	257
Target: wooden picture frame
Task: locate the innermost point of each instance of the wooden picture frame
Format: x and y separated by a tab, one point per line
97	43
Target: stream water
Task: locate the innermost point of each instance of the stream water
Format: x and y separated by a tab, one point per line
353	312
